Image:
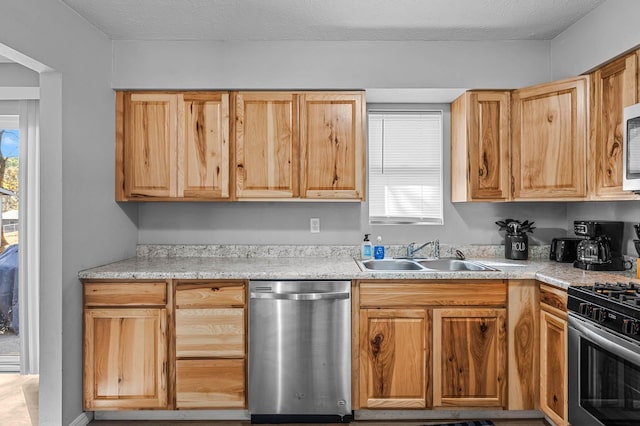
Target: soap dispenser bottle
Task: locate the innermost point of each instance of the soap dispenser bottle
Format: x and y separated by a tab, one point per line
378	249
367	248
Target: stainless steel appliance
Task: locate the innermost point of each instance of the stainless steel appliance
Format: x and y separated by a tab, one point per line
564	249
631	149
601	250
604	354
300	351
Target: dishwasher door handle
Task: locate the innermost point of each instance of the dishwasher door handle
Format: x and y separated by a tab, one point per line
300	296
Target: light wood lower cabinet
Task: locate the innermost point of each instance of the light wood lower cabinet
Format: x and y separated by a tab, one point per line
553	354
143	351
210	344
125	348
210	383
469	348
394	355
439	344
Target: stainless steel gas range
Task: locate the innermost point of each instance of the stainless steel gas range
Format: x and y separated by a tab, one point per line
604	354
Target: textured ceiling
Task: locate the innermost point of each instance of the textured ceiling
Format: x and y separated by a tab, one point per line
332	19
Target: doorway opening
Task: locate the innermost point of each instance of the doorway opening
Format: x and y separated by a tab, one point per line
9	239
19	203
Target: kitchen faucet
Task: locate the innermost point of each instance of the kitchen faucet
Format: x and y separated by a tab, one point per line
411	250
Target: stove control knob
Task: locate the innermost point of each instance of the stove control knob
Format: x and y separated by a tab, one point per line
585	309
631	327
599	314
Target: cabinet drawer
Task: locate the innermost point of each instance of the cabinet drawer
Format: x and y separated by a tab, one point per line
210	333
554	300
206	294
125	293
435	293
210	383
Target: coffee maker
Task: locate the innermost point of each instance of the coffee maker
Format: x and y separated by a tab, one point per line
601	250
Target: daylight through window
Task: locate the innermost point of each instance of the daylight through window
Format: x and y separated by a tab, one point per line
405	167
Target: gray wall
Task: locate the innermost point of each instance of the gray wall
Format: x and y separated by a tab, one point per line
603	34
272	65
15	75
606	32
81	225
329	65
340	223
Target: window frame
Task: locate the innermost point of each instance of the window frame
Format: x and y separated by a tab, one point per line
400	108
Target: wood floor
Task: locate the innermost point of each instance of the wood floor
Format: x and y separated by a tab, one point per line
357	423
19	396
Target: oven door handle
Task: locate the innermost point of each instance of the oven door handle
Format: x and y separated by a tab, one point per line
603	342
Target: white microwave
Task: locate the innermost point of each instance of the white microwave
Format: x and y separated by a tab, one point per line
631	149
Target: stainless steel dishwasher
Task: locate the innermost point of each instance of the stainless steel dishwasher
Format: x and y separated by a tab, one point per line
300	351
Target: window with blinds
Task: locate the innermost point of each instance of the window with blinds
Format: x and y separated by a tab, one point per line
405	167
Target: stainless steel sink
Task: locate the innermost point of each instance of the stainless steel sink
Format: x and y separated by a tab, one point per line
391	265
426	265
454	265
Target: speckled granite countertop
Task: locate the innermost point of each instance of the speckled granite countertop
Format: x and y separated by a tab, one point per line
279	264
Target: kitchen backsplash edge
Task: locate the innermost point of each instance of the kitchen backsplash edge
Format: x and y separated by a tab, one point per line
537	252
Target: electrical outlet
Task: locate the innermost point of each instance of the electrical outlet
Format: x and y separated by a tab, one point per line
314	225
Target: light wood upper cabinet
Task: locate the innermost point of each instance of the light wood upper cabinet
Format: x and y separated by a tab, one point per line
480	138
613	87
149	156
172	146
177	146
125	347
549	140
203	155
267	149
469	357
332	145
394	355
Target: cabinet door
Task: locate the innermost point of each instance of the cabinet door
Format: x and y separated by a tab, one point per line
469	352
394	358
332	144
125	359
203	152
553	367
613	87
480	140
150	143
266	130
549	135
210	383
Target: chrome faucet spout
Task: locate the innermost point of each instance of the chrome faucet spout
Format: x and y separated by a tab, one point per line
412	250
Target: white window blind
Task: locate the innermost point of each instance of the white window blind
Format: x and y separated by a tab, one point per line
405	167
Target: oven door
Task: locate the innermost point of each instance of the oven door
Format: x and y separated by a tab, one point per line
604	376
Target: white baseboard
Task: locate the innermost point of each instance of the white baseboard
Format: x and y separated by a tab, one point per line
82	420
